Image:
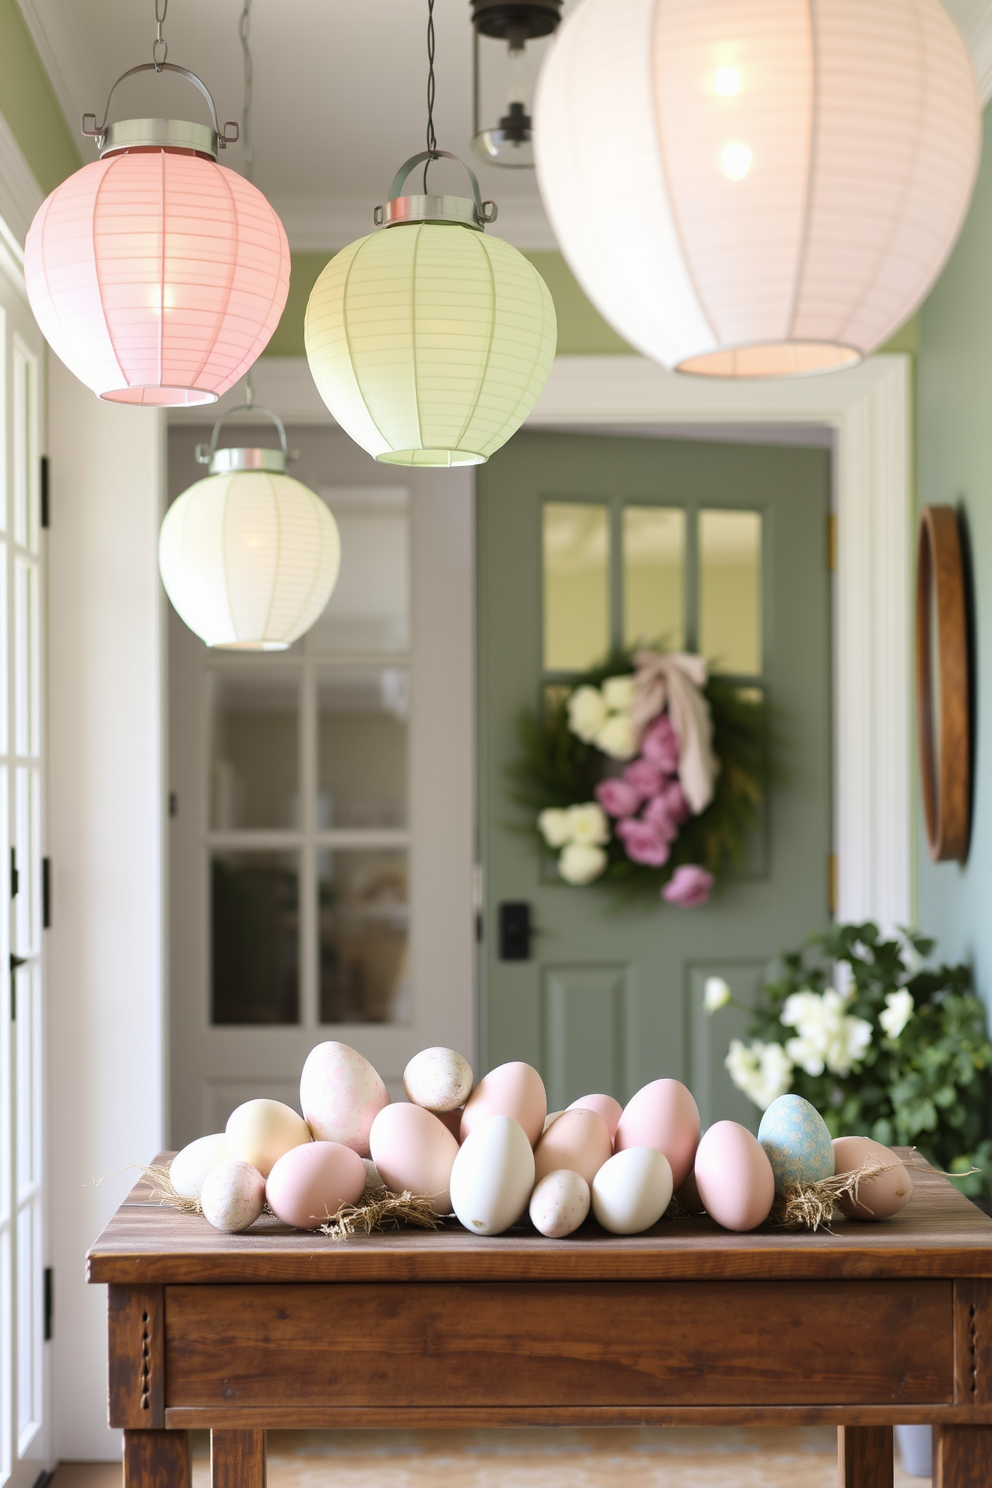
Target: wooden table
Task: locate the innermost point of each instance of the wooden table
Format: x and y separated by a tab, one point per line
685	1325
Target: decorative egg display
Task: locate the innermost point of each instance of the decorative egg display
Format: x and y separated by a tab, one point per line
309	1184
341	1095
492	1178
414	1151
611	1110
232	1196
560	1203
260	1131
577	1140
515	1090
438	1079
631	1192
796	1141
734	1177
662	1115
879	1197
189	1167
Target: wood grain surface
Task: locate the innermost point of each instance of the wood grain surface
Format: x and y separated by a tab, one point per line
943	702
939	1234
962	1457
864	1457
136	1331
237	1459
157	1459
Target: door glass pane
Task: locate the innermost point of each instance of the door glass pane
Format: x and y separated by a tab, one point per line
576	585
254	747
362	747
364	932
255	917
654	576
730	590
369	610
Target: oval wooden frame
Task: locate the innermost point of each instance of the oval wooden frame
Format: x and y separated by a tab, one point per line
945	773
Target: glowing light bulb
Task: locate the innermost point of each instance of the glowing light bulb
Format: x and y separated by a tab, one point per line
727	81
735	161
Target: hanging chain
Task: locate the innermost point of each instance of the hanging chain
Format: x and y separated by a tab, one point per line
160	45
431	136
244	32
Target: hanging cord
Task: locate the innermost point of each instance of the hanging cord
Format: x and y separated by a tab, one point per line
160	45
431	136
244	32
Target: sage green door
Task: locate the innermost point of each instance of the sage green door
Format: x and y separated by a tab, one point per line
588	542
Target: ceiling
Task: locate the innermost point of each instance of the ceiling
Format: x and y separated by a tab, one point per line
339	93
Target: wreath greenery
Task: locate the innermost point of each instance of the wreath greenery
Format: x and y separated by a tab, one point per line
556	769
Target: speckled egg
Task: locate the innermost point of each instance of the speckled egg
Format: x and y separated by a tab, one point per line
577	1140
797	1142
560	1203
189	1167
611	1110
232	1196
515	1090
438	1079
414	1151
662	1115
309	1184
879	1197
341	1095
260	1131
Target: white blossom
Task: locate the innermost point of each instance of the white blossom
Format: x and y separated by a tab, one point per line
828	1036
899	1007
587	712
618	694
581	862
617	737
555	826
762	1071
716	994
588	823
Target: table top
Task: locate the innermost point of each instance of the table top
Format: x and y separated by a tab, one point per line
939	1234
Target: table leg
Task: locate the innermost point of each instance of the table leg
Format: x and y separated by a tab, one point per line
962	1456
864	1457
157	1459
237	1459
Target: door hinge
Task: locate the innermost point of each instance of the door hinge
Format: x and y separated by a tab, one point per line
832	884
831	542
15	877
46	893
49	1302
44	491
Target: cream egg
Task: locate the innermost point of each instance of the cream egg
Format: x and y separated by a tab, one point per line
631	1192
611	1110
577	1140
413	1150
551	1118
189	1167
232	1196
341	1095
260	1131
438	1079
662	1115
492	1177
879	1197
309	1184
515	1090
734	1177
560	1203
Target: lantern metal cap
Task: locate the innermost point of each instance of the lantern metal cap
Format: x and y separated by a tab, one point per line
459	211
231	459
167	134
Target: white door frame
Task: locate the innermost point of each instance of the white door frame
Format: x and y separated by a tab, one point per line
869	413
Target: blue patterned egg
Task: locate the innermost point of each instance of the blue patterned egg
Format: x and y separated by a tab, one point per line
797	1142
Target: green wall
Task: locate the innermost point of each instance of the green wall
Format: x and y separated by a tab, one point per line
954	401
29	105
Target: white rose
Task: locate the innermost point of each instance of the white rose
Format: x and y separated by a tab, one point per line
586	712
762	1071
555	826
618	694
716	994
581	862
899	1008
617	737
828	1036
588	823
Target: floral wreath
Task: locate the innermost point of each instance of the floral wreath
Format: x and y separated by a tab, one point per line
646	775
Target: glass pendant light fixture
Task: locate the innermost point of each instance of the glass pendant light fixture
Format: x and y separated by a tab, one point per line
505	63
429	341
757	189
155	274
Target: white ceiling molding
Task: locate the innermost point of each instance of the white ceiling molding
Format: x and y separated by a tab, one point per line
323	224
20	194
73	52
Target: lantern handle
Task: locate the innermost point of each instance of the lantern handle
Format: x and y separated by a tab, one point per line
205	452
97	131
485	210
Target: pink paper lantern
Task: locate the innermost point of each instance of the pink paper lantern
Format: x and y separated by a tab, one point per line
157	276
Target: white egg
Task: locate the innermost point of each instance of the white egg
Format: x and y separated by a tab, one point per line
438	1079
341	1095
631	1192
232	1195
492	1176
560	1203
191	1166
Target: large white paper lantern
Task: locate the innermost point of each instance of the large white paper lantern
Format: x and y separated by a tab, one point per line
757	187
430	342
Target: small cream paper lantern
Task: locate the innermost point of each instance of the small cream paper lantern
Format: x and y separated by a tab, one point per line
430	342
249	557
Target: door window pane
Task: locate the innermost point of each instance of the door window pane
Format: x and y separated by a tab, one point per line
369	610
730	590
254	748
576	547
255	916
654	576
364	935
362	747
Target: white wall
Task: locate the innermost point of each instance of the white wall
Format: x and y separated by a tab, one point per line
105	808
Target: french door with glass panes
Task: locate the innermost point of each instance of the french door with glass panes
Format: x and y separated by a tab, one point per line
23	1373
316	882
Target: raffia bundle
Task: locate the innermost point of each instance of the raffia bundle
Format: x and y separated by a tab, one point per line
381	1210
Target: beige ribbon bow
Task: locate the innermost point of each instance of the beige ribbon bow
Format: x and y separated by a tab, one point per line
677	680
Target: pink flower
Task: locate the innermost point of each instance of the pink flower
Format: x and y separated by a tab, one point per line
644	777
675	801
660	818
617	797
688	886
643	844
660	745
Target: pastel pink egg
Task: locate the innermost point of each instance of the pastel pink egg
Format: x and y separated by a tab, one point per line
662	1115
515	1090
879	1197
412	1149
341	1095
309	1184
604	1105
578	1140
452	1120
734	1177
